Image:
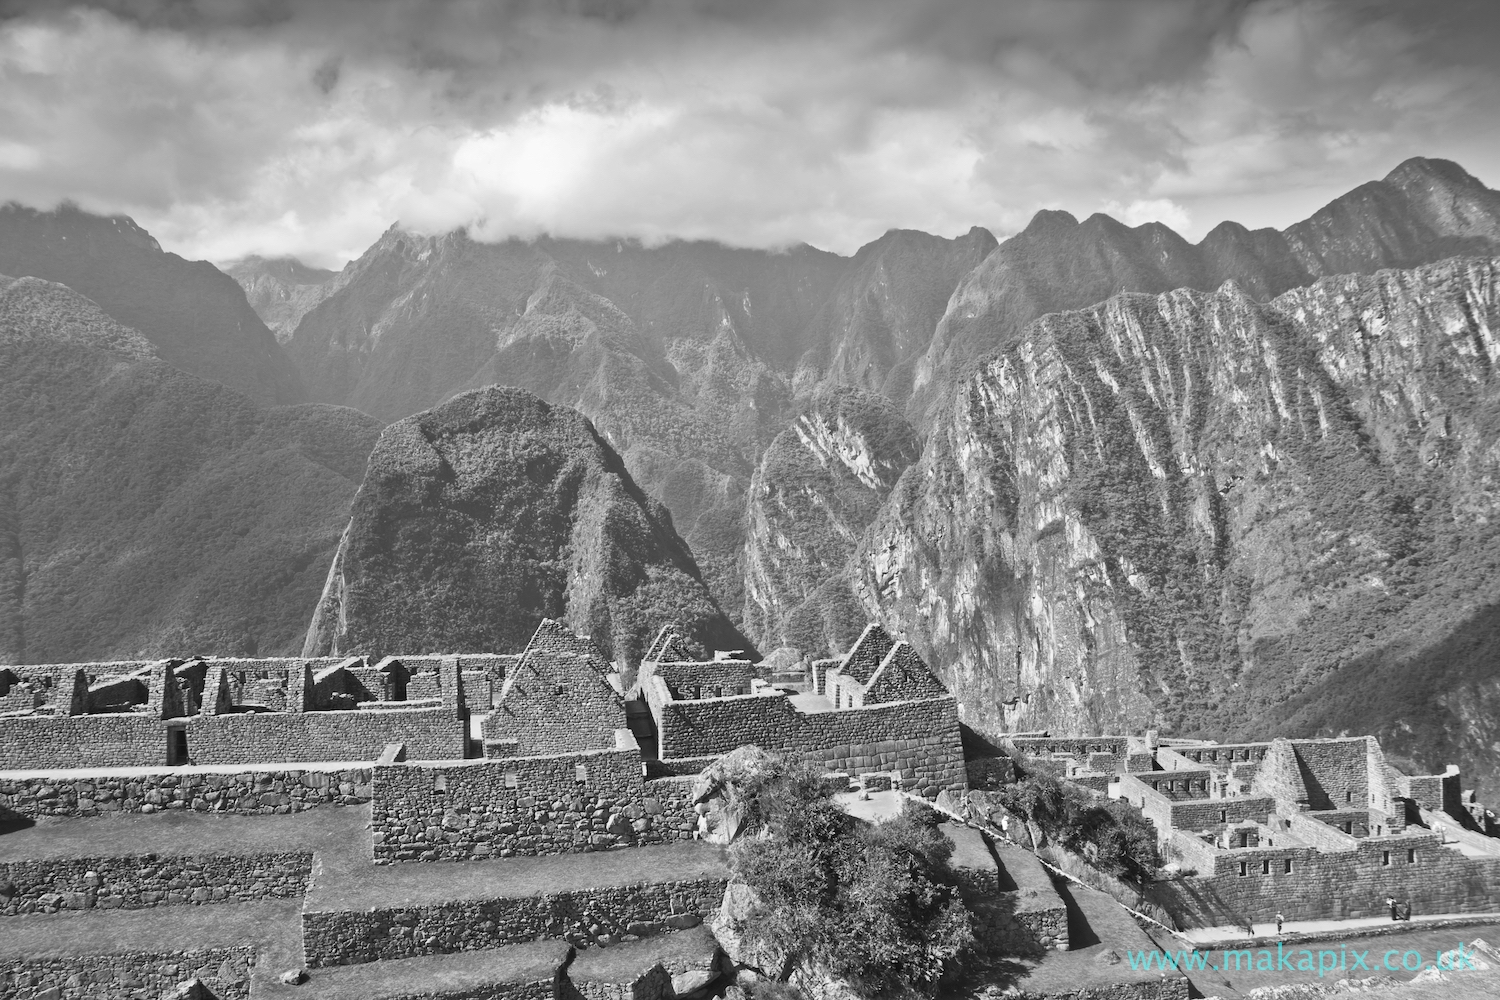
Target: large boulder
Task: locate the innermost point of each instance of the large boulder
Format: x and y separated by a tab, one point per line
729	925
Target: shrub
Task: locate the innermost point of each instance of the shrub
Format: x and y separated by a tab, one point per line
876	905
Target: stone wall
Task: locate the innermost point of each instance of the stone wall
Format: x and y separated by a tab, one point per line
52	741
703	679
1336	772
1079	747
1176	785
525	806
582	917
147	975
299	737
132	883
1191	814
918	739
1351	883
557	702
1223	754
81	793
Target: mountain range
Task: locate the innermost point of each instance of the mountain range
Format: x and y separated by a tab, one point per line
1104	477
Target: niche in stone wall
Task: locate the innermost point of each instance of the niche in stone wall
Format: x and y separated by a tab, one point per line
580	774
439	784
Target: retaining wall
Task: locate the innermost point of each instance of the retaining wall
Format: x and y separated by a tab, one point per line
581	917
226	972
84	793
525	806
132	883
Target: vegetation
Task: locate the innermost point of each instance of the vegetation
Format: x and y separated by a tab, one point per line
1109	833
876	905
496	500
145	511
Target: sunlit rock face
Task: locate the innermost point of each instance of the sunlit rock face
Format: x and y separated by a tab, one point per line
1202	512
817	487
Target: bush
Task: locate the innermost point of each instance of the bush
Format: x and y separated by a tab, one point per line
876	905
1112	835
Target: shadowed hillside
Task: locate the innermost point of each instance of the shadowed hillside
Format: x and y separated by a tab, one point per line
145	511
192	313
482	516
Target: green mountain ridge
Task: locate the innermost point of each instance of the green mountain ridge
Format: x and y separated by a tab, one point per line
145	511
498	500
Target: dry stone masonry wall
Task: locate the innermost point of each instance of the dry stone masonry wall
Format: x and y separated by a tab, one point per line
239	792
132	883
582	917
524	806
131	976
300	737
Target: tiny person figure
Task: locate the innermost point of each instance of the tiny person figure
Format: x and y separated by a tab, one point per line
1279	919
1406	910
1391	902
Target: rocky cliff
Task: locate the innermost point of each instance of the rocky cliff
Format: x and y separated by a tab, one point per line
816	489
1423	210
145	511
482	516
282	290
195	317
1206	513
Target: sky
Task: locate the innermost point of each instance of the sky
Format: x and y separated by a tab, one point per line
308	127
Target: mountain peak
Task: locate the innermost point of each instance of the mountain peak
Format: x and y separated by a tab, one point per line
1050	220
1424	170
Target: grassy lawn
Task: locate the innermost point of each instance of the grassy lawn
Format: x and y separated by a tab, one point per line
422	975
1093	917
1429	942
349	881
331	829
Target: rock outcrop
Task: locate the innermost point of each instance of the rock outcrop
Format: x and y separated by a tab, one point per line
817	488
482	516
1201	512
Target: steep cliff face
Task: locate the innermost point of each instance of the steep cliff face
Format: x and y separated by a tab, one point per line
878	320
1190	508
282	290
1423	211
195	316
145	511
482	516
817	487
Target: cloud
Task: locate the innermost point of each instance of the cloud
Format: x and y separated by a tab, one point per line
1142	211
239	126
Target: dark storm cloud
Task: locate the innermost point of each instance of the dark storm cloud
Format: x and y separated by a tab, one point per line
236	125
